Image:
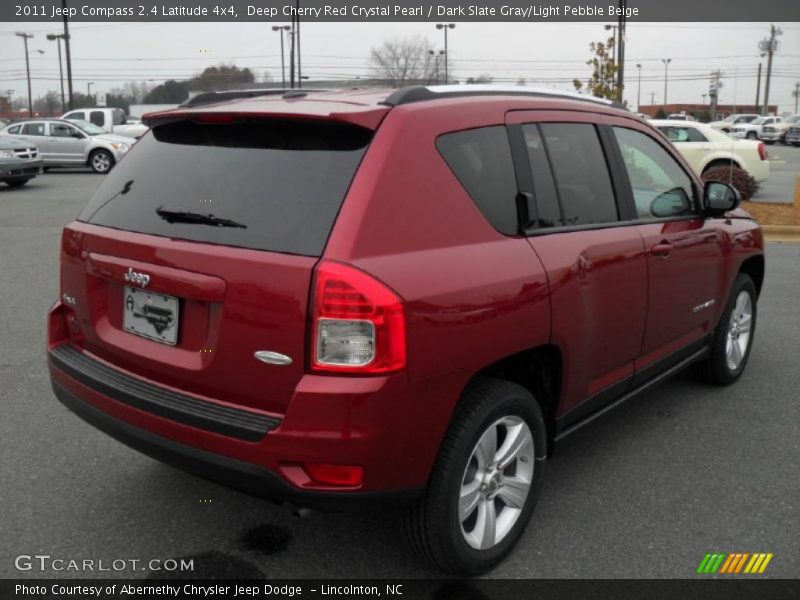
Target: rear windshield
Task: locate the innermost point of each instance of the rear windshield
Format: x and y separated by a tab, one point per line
266	184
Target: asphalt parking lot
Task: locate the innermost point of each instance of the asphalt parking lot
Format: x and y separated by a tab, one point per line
784	162
644	492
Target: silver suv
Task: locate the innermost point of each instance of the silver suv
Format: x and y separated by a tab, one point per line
71	143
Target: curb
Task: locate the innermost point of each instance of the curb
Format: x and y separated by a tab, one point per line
781	233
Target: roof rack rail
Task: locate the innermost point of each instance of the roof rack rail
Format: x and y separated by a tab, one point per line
421	93
221	96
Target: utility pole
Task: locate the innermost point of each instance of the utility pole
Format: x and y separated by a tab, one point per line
25	37
713	92
623	6
652	98
758	87
291	55
770	46
796	94
66	47
297	33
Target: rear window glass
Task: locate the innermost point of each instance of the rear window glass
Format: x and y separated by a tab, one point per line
265	184
481	161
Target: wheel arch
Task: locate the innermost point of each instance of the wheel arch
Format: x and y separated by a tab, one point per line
721	160
539	370
754	267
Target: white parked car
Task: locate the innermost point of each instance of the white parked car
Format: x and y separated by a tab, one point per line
704	148
71	143
752	130
729	121
680	117
110	120
777	131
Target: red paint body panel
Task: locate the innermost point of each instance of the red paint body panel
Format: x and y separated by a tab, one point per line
472	297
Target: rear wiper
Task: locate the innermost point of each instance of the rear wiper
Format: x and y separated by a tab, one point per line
187	216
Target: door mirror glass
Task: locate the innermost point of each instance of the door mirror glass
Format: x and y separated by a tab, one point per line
721	197
671	203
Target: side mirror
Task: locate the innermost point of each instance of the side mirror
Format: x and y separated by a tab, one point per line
673	203
719	198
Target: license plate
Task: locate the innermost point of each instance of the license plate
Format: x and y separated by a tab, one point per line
151	315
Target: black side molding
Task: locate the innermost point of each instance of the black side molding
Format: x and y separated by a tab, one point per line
225	420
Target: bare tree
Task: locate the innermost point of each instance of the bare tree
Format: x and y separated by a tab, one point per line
404	61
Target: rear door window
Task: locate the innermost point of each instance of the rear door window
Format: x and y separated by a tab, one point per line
481	161
580	171
97	117
265	184
33	129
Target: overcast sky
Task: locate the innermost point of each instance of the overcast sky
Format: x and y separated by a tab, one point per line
543	53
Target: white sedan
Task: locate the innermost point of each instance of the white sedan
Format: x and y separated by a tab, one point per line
704	148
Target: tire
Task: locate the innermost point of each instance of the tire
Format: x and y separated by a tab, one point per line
434	528
15	183
721	367
101	161
751	135
795	144
769	142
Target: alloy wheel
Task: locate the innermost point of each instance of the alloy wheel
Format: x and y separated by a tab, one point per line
496	483
739	329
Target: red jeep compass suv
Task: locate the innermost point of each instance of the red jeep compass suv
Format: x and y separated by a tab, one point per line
397	297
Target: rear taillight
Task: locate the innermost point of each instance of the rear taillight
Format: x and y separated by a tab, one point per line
762	151
358	323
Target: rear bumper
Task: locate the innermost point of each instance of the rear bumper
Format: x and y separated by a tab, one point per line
759	169
236	474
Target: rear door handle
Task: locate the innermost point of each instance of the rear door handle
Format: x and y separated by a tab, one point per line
664	249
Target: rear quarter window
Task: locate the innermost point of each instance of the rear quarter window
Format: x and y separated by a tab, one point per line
481	161
280	183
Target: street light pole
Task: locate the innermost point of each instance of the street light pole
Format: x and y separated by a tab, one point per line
281	29
639	92
57	38
666	62
614	51
436	56
89	89
25	37
445	26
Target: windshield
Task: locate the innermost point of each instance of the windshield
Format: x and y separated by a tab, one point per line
267	184
88	127
793	119
729	119
758	121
